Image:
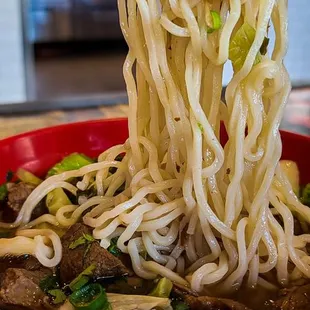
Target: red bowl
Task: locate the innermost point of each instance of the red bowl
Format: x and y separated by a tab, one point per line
38	150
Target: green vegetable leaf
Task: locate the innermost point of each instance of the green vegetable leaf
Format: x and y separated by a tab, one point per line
89	237
214	22
72	162
27	177
49	283
240	45
56	199
113	249
77	243
3	192
86	238
83	278
58	296
305	195
162	289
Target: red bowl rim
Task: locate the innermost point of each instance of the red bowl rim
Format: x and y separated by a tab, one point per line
50	129
98	121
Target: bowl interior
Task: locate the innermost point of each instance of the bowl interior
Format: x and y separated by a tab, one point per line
38	150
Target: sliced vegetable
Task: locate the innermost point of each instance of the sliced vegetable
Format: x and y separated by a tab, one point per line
138	302
72	162
214	21
56	199
113	249
305	195
86	238
291	170
83	278
162	289
49	283
3	192
58	296
90	297
240	45
27	177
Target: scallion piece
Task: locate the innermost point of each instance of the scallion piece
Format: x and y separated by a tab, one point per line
240	46
72	162
58	296
214	21
83	278
162	289
56	199
27	177
90	297
113	249
3	192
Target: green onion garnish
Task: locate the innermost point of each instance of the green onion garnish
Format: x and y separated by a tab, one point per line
214	22
90	297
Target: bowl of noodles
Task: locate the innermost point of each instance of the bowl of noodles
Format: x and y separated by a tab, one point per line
193	203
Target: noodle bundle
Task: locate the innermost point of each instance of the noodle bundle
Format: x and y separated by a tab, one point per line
204	214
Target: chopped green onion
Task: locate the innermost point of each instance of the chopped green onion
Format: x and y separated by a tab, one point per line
90	297
214	22
3	192
305	195
58	296
83	278
89	237
86	238
162	289
49	283
27	177
72	162
56	199
113	249
200	127
240	45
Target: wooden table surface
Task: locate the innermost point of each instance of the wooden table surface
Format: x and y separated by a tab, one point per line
296	118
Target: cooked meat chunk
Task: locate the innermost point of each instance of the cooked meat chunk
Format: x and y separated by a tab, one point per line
19	289
211	303
17	195
297	298
76	260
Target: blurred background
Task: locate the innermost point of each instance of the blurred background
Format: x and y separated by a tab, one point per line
63	59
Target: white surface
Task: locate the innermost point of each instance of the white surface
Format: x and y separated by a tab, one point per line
12	76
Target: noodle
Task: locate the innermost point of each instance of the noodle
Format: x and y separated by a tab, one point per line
203	213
